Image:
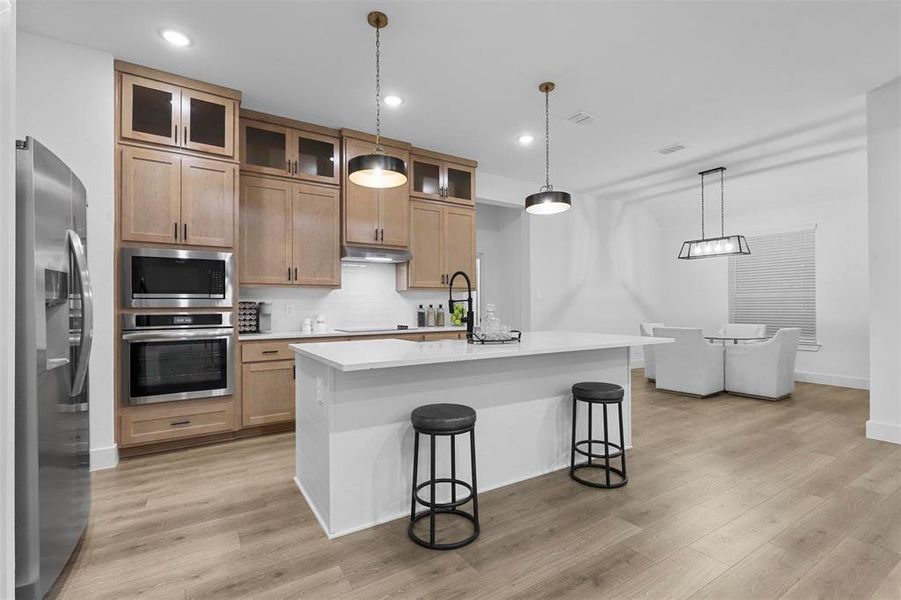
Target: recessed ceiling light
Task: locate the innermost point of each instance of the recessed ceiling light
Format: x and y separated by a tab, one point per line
393	100
525	139
176	38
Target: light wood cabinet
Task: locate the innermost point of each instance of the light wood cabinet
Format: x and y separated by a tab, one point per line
170	421
174	199
316	235
375	217
265	232
442	241
150	195
427	225
290	233
434	177
269	389
162	112
207	202
275	149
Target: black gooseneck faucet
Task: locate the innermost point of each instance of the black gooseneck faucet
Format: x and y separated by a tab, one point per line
450	302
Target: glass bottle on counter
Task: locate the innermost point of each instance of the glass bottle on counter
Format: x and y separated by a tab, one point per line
430	316
439	316
420	316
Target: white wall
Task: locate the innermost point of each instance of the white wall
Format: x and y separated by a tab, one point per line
65	100
499	245
7	298
884	152
591	267
830	192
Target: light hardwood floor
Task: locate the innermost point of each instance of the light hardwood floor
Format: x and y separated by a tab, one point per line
728	498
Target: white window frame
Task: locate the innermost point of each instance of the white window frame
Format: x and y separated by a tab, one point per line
776	285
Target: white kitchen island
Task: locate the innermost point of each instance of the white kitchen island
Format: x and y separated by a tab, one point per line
354	443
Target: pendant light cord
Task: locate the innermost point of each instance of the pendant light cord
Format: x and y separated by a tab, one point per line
702	207
378	93
722	205
547	142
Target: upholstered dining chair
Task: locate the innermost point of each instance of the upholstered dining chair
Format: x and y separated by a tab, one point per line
689	365
765	369
647	330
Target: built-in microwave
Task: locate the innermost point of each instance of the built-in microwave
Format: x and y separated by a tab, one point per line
176	356
164	278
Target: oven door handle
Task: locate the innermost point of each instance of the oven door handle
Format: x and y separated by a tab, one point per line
167	336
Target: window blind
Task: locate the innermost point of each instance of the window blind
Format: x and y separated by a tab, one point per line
776	283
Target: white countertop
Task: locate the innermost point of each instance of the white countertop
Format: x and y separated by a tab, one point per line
361	355
291	335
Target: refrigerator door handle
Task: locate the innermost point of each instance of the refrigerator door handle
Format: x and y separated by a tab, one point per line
87	312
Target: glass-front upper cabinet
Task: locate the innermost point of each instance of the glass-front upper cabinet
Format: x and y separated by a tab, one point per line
163	113
208	123
432	178
459	183
426	178
151	110
315	157
273	149
264	148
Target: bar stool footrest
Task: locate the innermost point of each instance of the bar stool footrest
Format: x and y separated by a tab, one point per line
438	505
614	470
617	454
448	545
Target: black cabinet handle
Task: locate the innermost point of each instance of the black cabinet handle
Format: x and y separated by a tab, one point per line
295	273
289	273
383	234
295	167
175	233
293	371
288	166
270	351
175	423
185	236
376	234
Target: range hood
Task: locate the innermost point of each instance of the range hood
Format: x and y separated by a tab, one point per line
374	254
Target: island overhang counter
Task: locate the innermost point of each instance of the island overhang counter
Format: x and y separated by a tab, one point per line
354	440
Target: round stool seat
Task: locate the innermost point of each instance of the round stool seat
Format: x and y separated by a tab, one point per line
443	417
596	391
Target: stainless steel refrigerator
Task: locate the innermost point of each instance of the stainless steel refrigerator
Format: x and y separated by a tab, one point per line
54	325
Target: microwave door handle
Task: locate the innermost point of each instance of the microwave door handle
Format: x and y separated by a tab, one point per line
164	336
87	312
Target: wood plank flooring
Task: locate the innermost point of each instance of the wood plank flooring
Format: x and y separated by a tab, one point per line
728	498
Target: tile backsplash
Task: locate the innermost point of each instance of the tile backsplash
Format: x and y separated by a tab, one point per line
368	296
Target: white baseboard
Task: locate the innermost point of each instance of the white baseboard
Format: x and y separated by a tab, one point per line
848	381
104	458
885	432
312	506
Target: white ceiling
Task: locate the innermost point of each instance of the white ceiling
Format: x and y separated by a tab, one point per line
715	76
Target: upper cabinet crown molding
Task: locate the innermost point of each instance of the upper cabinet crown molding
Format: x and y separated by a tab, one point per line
163	109
194	84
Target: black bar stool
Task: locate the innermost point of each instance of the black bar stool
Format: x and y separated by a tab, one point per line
443	420
604	394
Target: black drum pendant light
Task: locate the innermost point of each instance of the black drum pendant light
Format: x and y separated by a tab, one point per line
377	170
547	201
717	246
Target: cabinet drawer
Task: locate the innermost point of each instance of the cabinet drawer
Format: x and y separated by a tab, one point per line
444	335
159	423
260	351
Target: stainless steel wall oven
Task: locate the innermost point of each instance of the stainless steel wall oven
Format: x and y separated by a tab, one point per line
177	356
165	278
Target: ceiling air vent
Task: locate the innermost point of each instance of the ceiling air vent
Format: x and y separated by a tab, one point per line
671	149
582	117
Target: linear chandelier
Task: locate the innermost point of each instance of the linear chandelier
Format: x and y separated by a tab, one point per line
716	246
